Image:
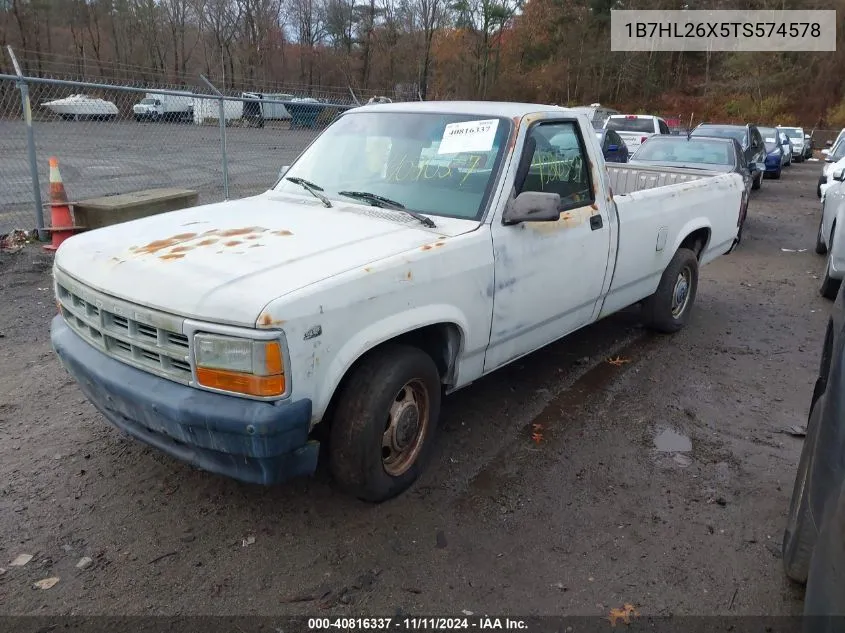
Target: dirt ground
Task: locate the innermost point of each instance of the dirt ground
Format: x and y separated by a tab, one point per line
663	482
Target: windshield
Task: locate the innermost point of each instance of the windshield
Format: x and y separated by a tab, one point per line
440	164
667	150
793	132
624	124
726	132
148	101
770	138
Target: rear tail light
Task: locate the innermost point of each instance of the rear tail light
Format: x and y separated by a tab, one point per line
643	139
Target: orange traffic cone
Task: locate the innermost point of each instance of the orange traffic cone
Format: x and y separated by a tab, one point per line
61	219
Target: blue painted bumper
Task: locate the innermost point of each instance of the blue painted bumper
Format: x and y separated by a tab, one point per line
773	163
251	441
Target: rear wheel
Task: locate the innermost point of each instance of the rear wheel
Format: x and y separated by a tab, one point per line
821	249
668	309
383	428
799	537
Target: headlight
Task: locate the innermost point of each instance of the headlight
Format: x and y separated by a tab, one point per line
239	365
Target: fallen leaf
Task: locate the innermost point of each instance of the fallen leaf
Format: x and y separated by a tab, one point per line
618	361
537	437
623	614
21	560
46	583
537	427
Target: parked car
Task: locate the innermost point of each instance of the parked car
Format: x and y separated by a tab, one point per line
787	148
775	156
802	143
596	112
385	281
613	146
827	240
749	139
812	549
831	157
839	136
636	128
715	154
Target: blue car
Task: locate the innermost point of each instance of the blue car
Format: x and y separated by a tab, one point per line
612	146
775	156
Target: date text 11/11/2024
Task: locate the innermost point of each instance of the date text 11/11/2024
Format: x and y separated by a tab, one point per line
417	624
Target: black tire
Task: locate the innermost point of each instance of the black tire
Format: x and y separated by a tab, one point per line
758	182
829	286
799	537
821	249
362	422
659	310
776	175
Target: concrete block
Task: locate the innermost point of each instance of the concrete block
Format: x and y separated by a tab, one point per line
99	212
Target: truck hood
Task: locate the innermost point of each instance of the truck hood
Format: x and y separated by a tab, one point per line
224	262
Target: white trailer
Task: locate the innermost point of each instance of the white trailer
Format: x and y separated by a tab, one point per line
207	110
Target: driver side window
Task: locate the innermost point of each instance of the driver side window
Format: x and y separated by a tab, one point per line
558	163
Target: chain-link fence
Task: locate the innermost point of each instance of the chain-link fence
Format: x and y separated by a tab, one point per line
112	139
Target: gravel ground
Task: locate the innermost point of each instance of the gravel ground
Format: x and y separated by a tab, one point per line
591	518
99	158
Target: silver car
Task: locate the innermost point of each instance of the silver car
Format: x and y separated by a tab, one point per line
802	143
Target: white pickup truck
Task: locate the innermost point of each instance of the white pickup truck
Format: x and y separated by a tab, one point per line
410	249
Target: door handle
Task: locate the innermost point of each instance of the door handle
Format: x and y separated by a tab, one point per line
595	222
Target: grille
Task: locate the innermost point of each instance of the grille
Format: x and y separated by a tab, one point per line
129	337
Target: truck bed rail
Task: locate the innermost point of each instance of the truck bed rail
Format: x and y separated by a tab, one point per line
628	178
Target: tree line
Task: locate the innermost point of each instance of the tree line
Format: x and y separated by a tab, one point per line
546	51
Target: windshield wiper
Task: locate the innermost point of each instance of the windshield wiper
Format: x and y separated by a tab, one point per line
311	188
381	201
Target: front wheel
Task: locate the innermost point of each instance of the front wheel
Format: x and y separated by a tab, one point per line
758	182
383	428
776	175
668	309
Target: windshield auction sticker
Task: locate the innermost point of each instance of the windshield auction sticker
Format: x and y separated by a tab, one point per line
743	30
468	136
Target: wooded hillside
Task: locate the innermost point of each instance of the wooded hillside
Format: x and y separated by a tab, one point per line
551	51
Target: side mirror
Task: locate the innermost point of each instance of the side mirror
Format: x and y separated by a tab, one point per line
283	171
612	148
533	206
826	151
807	137
828	144
839	174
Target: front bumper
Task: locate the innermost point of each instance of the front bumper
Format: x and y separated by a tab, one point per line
251	441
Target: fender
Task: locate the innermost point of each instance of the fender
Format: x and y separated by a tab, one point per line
380	332
688	229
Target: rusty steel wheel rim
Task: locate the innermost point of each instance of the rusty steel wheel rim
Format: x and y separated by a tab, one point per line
406	428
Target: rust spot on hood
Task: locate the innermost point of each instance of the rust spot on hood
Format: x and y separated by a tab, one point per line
207	242
232	243
256	245
367	269
173	256
159	245
244	231
282	232
427	247
409	276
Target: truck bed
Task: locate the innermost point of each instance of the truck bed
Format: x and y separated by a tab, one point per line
627	178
